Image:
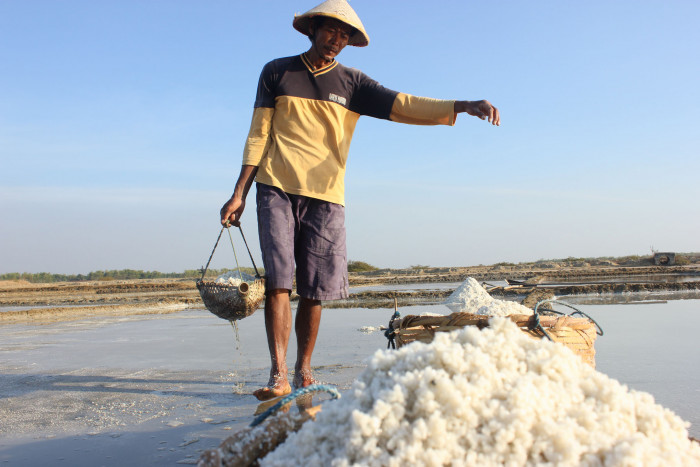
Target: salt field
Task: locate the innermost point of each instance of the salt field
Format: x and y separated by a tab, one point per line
159	389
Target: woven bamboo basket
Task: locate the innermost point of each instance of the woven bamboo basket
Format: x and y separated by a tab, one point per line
232	302
578	334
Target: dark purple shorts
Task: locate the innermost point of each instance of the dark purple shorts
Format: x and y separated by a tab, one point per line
306	231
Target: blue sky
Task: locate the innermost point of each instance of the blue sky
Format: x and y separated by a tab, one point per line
122	125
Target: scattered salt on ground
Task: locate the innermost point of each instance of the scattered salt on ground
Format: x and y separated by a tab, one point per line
234	278
489	397
471	297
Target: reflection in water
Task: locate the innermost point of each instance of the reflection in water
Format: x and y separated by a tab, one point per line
636	298
410	287
35	307
653	348
639	279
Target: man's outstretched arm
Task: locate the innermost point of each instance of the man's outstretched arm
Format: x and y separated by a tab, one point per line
233	209
417	110
482	109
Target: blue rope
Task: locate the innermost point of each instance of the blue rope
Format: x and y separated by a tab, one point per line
289	398
576	311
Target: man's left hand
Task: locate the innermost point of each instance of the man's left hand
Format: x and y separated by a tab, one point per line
482	109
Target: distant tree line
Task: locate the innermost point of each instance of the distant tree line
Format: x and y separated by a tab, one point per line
130	274
360	266
353	266
121	274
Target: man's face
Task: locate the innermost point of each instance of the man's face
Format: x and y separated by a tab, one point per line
330	38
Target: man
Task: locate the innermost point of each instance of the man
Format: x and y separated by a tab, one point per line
305	113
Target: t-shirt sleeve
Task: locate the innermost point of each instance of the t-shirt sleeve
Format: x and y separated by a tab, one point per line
265	97
258	136
371	98
422	110
264	108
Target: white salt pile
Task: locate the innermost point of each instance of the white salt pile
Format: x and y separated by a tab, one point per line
234	278
471	297
489	397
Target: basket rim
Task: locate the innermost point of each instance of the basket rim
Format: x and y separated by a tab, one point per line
415	320
220	284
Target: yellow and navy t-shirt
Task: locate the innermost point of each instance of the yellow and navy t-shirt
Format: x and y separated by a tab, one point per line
304	120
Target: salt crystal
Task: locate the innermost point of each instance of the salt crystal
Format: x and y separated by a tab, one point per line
234	278
471	297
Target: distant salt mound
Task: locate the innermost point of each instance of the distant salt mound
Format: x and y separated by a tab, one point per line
489	397
234	278
471	297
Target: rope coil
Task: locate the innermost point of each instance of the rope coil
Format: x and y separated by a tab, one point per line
289	398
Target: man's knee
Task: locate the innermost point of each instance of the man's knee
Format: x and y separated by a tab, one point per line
277	299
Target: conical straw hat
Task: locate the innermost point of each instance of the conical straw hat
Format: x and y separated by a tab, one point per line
340	10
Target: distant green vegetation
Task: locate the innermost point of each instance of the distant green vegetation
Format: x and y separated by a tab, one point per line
122	274
360	266
682	259
572	259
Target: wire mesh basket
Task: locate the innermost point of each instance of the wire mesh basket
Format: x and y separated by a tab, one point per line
232	301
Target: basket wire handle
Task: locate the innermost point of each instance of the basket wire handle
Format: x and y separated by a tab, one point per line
240	276
206	268
204	271
576	311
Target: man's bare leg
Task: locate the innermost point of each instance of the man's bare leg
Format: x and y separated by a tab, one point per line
278	325
306	326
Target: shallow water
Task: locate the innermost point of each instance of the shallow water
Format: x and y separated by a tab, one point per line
409	287
635	279
141	389
37	307
159	389
654	348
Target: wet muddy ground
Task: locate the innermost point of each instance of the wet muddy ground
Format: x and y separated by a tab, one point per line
148	389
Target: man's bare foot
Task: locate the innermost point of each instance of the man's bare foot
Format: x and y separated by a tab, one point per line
277	386
303	378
